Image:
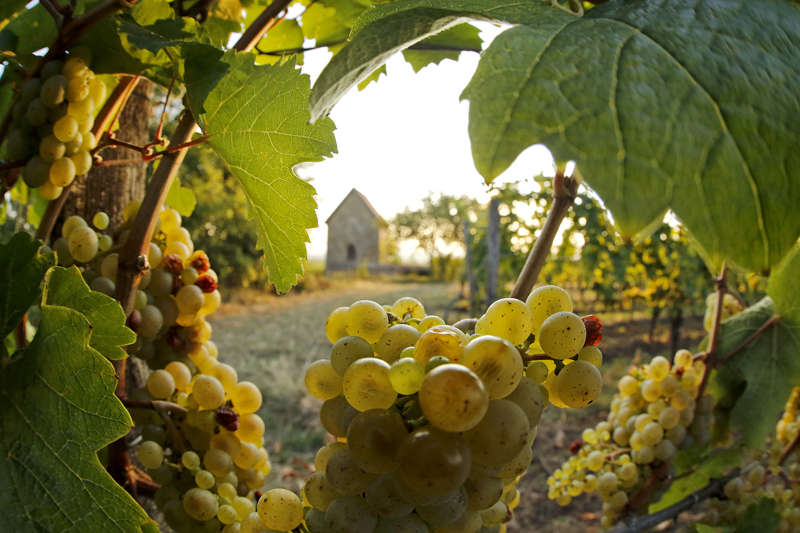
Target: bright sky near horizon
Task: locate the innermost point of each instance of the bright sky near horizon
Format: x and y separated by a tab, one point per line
403	138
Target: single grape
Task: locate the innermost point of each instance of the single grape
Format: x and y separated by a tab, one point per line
408	307
441	340
65	129
208	392
508	318
226	375
204	479
350	514
406	375
497	362
591	354
181	374
152	321
218	462
433	462
51	148
366	384
150	454
345	475
367	319
62	171
246	398
322	381
160	384
374	438
48	191
453	398
336	325
394	340
319	492
190	460
501	434
36	172
385	498
54	90
189	299
200	504
562	335
545	301
82	162
531	398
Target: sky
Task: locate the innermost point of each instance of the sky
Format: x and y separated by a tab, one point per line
403	138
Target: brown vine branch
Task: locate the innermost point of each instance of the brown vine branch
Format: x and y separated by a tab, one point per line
116	100
764	327
713	343
564	192
789	449
644	523
54	11
156	405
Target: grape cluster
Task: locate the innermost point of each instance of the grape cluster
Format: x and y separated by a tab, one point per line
730	307
433	424
648	421
772	473
209	461
52	123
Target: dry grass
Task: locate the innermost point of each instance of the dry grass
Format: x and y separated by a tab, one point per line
271	339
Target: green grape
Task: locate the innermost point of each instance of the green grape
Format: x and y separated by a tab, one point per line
204	479
82	162
200	504
74	146
226	514
104	285
531	398
406	375
408	306
507	318
74	67
659	368
218	462
433	462
446	511
247	455
336	325
54	90
243	506
77	89
433	362
319	492
97	91
36	172
100	220
469	522
53	114
384	497
350	514
409	523
152	321
48	191
160	384
36	114
322	380
652	433
519	464
82	243
89	142
62	171
537	372
483	492
644	455
336	415
51	68
65	129
344	474
607	483
150	454
18	146
501	434
366	384
453	398
324	453
367	319
109	265
665	450
189	275
591	354
81	108
545	301
374	438
443	340
562	335
579	384
348	349
190	460
208	392
189	299
497	362
395	340
30	90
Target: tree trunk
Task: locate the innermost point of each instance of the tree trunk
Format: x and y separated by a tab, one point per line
111	188
675	333
654	313
493	251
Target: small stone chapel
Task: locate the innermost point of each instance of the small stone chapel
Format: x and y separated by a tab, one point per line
356	235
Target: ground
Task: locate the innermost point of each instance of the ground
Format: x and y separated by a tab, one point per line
270	340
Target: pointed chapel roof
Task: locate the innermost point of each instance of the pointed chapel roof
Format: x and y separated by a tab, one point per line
363	200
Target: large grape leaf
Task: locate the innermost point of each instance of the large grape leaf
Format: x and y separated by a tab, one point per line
387	29
57	409
66	287
257	121
9	7
22	267
683	104
28	32
444	45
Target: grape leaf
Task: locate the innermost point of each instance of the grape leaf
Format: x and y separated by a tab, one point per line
181	199
31	30
444	45
784	287
146	12
9	7
685	105
387	29
22	267
57	408
286	35
372	78
256	118
66	287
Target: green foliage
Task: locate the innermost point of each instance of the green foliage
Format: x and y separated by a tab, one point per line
444	45
594	89
760	516
22	266
257	121
65	287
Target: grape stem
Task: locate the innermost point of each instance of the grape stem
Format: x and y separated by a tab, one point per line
764	327
157	405
137	245
116	101
565	191
713	343
617	453
54	10
645	522
789	449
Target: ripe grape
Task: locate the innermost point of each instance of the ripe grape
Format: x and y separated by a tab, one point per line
319	492
501	434
507	318
406	375
36	172
160	385
394	340
62	171
531	398
208	392
408	307
200	504
579	384
441	340
496	362
345	475
336	325
152	321
65	129
591	354
189	299
367	319
453	398
385	498
366	384
545	301
348	349
350	514
280	509
433	462
218	462
374	438
150	454
562	335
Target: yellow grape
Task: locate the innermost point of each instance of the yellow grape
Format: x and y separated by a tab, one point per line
408	306
591	354
434	462
73	222
501	434
189	299
180	374
200	504
443	340
322	381
366	384
82	162
226	375
659	368
453	398
428	322
100	220
246	398
62	171
66	128
348	349
395	340
496	362
336	325
406	375
374	438
508	318
562	335
280	509
319	492
547	300
368	320
208	392
579	384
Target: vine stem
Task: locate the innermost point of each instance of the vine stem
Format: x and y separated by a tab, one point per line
789	448
133	255
156	405
713	343
117	100
564	192
764	327
645	522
